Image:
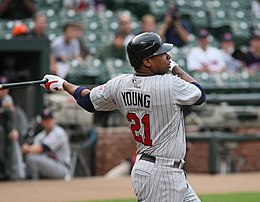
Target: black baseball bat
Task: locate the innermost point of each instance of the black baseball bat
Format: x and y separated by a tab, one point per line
21	84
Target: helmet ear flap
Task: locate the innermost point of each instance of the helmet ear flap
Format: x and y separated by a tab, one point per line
132	57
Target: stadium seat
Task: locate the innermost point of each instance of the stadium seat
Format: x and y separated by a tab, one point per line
158	8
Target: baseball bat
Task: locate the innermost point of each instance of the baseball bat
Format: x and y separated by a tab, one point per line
21	84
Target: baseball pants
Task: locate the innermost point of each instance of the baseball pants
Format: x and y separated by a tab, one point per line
41	166
17	170
153	182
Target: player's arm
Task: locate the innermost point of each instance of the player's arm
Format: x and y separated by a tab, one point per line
80	93
33	149
177	71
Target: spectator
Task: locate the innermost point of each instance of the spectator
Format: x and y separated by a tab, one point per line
77	5
38	32
13	9
148	23
227	48
114	50
252	56
49	155
255	7
65	48
20	30
40	23
84	52
174	29
205	58
125	21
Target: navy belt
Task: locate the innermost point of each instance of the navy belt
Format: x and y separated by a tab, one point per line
152	159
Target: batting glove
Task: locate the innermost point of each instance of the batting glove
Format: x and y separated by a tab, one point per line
172	65
54	83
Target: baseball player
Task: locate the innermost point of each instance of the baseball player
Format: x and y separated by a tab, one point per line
151	100
49	155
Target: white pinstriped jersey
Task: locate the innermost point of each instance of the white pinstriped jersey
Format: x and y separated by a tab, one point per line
152	105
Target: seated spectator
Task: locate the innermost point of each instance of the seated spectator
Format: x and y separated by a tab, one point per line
114	50
49	155
174	29
65	48
255	7
40	23
148	23
125	27
252	56
84	52
13	9
79	5
205	58
228	51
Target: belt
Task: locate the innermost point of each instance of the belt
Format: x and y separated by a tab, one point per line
175	163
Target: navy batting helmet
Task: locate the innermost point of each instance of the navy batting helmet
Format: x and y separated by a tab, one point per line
145	45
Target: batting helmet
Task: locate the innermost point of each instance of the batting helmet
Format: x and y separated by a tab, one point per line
145	45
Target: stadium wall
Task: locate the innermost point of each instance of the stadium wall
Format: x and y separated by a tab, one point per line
115	144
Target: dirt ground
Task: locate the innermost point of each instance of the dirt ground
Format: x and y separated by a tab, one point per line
96	188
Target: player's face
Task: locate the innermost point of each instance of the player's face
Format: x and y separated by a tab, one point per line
160	64
48	124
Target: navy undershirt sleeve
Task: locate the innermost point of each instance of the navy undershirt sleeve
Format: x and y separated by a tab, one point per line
45	148
85	101
202	98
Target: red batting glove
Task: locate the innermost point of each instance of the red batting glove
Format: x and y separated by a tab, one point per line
54	83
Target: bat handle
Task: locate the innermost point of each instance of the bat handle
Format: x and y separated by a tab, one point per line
44	81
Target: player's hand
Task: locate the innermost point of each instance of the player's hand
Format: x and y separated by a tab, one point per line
25	148
54	83
14	135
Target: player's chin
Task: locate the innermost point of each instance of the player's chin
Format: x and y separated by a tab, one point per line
164	72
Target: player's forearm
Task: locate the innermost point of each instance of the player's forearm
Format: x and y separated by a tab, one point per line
33	149
71	88
182	74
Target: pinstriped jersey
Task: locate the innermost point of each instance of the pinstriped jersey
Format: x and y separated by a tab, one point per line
153	107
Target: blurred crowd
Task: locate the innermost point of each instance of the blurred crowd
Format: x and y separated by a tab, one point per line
206	53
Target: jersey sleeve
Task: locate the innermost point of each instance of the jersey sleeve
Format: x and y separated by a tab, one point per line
102	97
184	93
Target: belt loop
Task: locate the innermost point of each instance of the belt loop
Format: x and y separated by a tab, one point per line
181	163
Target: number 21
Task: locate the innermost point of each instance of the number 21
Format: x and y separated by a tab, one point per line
136	126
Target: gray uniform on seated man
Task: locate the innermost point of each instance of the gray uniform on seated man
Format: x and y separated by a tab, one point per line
49	155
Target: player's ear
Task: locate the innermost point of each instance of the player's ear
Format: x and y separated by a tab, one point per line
147	62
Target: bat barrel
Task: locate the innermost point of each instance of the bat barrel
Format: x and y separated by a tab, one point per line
20	84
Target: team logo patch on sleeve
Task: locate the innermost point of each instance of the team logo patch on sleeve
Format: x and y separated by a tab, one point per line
101	87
